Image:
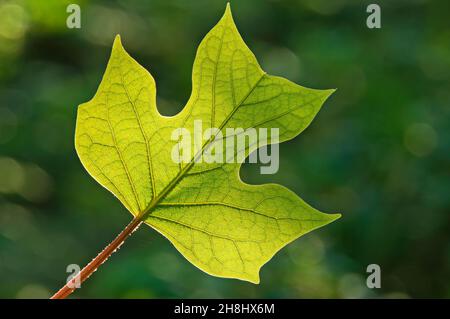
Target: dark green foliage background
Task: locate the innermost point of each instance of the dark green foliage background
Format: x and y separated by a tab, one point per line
378	151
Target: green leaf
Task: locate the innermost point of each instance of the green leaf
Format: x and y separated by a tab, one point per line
222	225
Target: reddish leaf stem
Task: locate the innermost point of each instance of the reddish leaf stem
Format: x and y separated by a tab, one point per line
90	268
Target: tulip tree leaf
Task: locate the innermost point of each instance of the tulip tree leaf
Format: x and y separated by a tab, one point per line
222	225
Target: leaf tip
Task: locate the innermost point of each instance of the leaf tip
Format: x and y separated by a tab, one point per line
329	92
334	217
117	42
117	38
117	48
228	11
255	278
325	94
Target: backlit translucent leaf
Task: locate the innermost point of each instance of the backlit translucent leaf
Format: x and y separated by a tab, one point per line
222	225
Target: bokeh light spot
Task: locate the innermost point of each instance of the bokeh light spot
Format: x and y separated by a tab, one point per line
33	291
420	139
13	21
12	175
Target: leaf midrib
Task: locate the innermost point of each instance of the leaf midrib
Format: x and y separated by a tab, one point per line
169	187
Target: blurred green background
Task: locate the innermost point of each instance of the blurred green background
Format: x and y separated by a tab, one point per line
378	151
